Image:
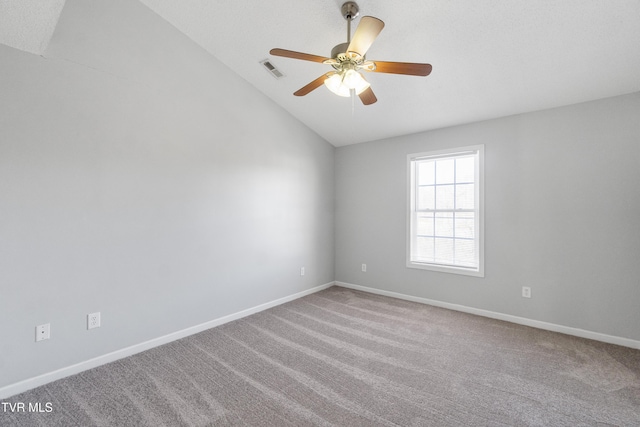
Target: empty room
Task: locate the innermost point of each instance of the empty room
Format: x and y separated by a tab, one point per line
330	213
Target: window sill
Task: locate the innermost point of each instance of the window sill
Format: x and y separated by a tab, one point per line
446	269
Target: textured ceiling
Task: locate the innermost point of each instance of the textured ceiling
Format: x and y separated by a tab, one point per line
28	24
490	58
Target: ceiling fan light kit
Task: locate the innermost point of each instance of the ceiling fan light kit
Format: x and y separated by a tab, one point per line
348	59
342	83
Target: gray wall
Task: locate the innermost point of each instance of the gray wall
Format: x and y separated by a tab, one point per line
562	212
139	177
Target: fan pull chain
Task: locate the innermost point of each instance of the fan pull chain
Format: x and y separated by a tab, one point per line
353	103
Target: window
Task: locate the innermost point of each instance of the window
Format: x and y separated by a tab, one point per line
445	225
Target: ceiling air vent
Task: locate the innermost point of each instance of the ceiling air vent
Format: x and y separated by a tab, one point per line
271	69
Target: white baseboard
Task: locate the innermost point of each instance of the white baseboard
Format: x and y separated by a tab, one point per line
611	339
28	384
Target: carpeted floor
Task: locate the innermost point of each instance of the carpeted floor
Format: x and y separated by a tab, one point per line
346	358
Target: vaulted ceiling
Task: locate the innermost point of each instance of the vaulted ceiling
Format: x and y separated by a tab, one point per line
490	58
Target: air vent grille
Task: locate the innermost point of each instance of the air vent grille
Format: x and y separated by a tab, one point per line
272	69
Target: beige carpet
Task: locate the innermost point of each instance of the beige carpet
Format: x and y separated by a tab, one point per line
346	358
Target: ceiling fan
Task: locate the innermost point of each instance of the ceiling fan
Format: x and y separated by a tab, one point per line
348	59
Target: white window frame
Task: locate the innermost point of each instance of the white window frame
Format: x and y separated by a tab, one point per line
478	150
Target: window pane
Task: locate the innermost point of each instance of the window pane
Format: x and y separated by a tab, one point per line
444	171
465	253
424	252
426	197
465	196
465	169
465	225
426	172
444	225
444	197
444	251
425	224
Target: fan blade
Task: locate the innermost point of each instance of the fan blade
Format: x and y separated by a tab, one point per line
367	97
409	68
297	55
367	31
314	84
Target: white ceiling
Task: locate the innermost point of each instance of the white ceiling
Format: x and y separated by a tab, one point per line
28	24
490	58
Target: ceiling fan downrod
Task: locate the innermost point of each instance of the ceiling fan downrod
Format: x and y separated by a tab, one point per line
350	10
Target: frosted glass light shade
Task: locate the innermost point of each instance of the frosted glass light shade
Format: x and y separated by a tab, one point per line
341	84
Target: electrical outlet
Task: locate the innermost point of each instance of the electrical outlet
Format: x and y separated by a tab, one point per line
302	271
526	292
43	332
364	267
93	320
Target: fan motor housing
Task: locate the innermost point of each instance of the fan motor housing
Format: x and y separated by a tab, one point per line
338	49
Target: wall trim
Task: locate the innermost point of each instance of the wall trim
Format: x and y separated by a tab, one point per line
30	383
568	330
